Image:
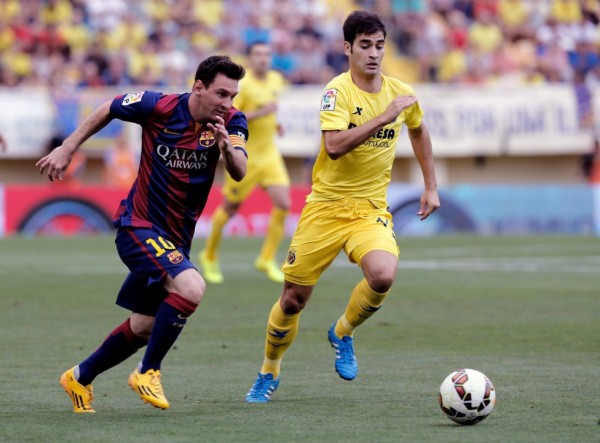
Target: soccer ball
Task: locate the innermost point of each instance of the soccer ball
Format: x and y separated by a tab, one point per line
467	396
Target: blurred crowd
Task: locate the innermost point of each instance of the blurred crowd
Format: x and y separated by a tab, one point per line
81	43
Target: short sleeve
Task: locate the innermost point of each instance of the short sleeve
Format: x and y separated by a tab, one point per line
237	128
413	116
334	110
135	108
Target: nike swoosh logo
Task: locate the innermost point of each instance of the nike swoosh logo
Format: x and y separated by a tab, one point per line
168	131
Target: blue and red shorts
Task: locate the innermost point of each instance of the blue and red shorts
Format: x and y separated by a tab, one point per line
150	257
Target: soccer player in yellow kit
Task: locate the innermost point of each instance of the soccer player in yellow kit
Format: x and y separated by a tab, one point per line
259	92
362	112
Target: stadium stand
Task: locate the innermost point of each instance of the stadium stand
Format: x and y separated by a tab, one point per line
80	43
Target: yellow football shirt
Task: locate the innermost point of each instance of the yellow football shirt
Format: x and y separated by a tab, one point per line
253	94
364	172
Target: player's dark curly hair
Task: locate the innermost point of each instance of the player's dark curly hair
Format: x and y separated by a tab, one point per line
218	64
362	22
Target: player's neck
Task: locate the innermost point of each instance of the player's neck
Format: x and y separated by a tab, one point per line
370	83
259	75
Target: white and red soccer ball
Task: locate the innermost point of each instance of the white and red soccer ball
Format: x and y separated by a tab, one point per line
467	396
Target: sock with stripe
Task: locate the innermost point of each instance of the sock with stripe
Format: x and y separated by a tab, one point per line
275	233
281	332
364	302
119	345
211	246
169	322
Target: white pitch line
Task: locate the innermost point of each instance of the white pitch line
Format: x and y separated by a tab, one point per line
500	266
520	264
564	264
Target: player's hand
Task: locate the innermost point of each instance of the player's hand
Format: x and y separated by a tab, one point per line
429	202
55	163
220	133
399	104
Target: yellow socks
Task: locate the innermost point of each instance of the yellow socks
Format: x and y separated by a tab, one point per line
364	302
281	332
274	235
211	247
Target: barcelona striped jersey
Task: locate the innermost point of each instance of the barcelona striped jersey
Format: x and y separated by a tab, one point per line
177	165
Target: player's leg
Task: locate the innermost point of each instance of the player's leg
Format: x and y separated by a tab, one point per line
234	193
185	291
275	180
379	268
282	329
120	344
163	265
374	247
266	261
209	256
184	294
316	242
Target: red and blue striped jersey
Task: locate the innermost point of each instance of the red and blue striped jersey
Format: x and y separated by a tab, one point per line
177	164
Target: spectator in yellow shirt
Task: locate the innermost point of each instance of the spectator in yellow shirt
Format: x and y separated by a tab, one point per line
485	35
566	11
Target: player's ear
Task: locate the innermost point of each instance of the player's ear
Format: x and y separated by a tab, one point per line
198	86
347	48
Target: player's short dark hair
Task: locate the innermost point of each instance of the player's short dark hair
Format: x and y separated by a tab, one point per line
251	46
362	22
218	64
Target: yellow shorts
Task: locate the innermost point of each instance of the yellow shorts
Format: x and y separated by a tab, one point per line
325	228
271	172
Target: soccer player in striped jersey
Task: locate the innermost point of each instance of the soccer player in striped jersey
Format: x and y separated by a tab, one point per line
362	113
183	136
259	93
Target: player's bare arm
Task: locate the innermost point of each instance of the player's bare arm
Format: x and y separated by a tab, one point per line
339	143
266	109
421	144
235	160
55	163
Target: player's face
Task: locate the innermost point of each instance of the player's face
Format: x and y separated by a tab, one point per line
215	100
366	53
260	58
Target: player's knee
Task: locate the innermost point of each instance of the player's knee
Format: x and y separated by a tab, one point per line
189	285
294	298
284	205
382	280
291	302
194	293
280	196
141	325
291	306
230	208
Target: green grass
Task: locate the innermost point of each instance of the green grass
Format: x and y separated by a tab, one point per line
525	311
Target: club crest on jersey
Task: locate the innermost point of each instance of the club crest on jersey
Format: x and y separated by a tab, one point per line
291	258
130	99
328	100
207	139
175	257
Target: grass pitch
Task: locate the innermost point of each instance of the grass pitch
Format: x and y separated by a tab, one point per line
525	311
